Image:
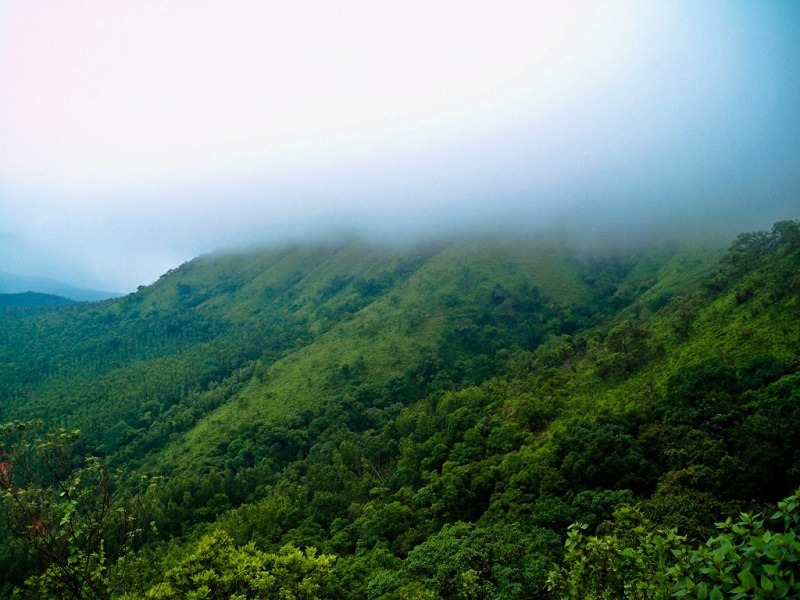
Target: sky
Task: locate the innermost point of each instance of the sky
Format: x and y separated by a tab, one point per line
135	135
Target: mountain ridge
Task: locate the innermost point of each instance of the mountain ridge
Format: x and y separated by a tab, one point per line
17	284
391	406
32	299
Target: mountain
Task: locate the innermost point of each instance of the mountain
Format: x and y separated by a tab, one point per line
296	315
31	299
430	418
16	284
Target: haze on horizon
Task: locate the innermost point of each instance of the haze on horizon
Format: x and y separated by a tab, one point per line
137	135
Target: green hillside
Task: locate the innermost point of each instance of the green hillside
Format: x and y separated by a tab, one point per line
31	299
430	419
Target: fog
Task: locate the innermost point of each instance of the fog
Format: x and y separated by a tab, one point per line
135	136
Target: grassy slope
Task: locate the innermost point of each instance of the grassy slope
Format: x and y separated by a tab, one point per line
719	327
389	334
280	322
663	274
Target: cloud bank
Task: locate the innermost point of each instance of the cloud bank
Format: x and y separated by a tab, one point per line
135	135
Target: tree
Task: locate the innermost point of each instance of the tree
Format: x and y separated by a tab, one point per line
601	453
65	510
753	557
465	560
703	396
629	559
626	350
218	569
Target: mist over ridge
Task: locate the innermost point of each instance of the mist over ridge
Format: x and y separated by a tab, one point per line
586	228
167	132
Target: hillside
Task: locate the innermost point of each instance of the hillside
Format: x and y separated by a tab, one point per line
414	411
296	316
31	299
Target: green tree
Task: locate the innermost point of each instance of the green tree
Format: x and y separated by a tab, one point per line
500	561
627	346
601	453
215	568
629	558
65	510
753	557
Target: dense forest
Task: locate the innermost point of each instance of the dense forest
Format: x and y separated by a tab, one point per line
472	418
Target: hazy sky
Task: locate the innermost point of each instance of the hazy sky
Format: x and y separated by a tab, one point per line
135	135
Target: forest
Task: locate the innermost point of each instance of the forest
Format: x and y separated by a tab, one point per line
485	417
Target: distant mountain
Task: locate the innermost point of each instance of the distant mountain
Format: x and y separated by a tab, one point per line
17	284
31	299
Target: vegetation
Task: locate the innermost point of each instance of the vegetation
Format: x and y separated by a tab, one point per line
31	299
351	422
750	558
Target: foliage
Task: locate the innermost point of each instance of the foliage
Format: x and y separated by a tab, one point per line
753	557
215	568
629	559
601	452
66	511
468	561
750	558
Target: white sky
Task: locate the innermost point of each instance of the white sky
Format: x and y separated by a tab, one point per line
136	134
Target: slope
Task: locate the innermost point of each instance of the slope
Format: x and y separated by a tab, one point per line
679	394
214	331
389	335
413	410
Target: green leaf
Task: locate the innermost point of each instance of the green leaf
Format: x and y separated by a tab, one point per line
747	579
738	590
